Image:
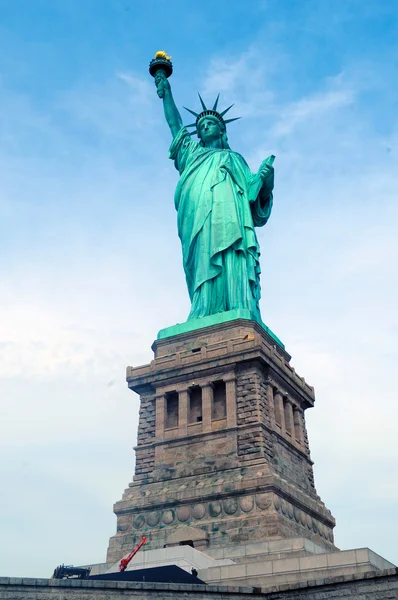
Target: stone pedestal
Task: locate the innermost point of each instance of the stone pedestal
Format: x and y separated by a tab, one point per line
222	456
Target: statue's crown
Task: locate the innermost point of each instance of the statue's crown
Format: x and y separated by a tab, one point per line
210	112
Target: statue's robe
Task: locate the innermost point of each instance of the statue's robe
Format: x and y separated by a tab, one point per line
219	202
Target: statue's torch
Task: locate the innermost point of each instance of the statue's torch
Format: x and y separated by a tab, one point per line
161	63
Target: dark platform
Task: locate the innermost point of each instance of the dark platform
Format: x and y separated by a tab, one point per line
168	574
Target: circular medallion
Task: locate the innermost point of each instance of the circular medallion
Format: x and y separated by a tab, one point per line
168	517
183	513
283	507
230	506
263	501
247	503
153	518
296	515
139	521
277	503
214	509
290	511
198	511
308	522
123	523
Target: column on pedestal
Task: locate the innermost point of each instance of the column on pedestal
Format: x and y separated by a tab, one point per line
298	426
288	410
207	401
160	416
183	398
304	433
270	402
230	392
279	410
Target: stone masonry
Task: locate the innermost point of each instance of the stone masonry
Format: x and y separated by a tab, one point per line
222	455
365	586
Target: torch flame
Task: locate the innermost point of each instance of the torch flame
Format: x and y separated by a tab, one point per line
162	54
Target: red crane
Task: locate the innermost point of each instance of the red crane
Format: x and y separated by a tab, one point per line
125	561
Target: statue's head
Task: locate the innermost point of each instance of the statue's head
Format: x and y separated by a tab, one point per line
210	125
210	130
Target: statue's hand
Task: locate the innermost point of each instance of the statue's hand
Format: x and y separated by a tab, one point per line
266	172
162	83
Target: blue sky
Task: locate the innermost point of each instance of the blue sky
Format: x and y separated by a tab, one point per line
91	263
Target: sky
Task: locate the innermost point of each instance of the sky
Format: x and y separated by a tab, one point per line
91	262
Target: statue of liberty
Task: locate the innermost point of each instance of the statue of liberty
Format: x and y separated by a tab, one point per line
219	202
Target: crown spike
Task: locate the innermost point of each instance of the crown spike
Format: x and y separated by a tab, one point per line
230	120
202	103
191	125
226	110
191	111
216	102
193	132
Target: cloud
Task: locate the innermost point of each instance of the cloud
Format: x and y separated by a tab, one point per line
245	80
310	108
83	242
120	107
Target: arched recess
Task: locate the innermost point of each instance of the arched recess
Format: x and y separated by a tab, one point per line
185	535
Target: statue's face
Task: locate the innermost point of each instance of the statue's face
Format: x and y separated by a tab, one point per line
209	130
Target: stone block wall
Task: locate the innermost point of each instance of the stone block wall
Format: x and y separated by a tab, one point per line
249	437
145	457
381	585
291	465
222	444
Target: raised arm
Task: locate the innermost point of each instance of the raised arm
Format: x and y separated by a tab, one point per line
171	112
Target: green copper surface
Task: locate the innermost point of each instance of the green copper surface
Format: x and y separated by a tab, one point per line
219	202
215	319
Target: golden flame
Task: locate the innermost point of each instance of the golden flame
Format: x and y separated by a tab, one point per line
162	54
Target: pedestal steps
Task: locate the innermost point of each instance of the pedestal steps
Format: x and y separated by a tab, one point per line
296	569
